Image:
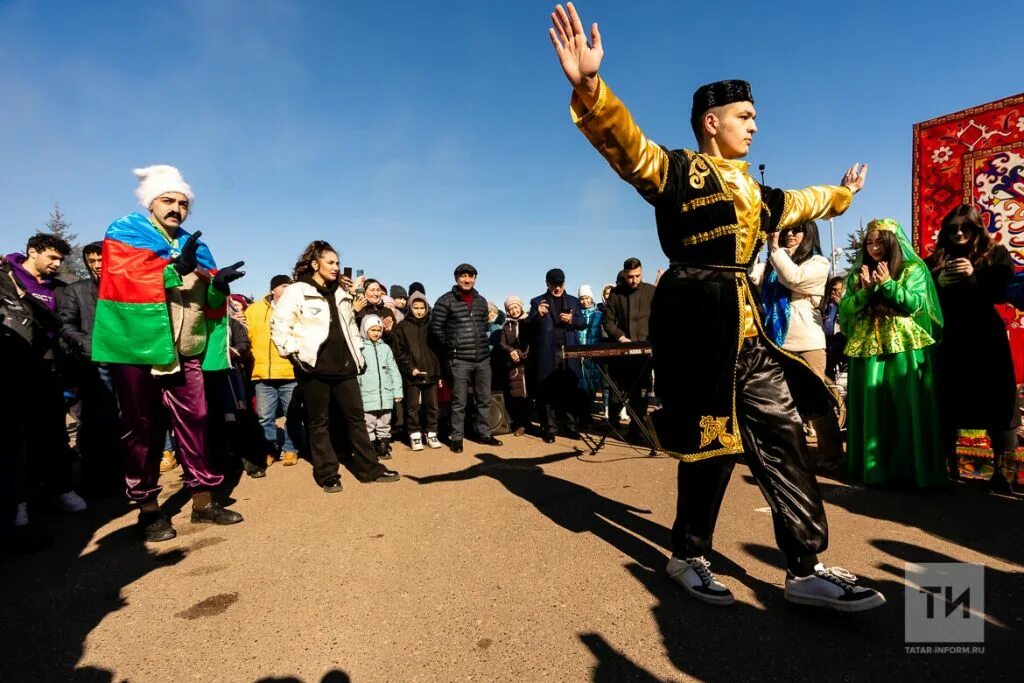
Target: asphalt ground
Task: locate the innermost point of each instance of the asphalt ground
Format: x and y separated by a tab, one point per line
528	562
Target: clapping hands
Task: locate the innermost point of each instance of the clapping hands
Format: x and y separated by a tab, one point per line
879	276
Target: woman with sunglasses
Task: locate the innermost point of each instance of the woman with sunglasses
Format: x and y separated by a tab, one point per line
977	388
792	282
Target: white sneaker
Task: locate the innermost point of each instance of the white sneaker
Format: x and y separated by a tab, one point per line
71	502
832	587
696	579
432	441
21	517
416	442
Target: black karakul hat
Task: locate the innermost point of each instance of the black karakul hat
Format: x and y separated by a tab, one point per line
717	94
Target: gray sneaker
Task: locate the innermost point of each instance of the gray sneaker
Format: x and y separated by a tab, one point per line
694	575
832	587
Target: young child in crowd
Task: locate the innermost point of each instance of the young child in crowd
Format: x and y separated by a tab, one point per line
380	385
421	371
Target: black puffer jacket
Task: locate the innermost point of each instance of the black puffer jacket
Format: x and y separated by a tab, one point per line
459	329
412	348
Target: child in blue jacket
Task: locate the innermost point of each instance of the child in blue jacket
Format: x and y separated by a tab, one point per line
380	385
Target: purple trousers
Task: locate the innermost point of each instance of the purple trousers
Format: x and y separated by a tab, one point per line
149	404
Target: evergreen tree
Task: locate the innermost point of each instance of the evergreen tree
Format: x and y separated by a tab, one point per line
74	267
856	242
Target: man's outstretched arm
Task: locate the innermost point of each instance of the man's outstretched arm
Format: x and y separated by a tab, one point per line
821	201
598	113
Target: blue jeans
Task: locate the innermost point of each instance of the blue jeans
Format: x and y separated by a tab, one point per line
465	373
271	396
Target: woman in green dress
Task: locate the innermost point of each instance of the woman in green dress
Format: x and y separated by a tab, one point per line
892	319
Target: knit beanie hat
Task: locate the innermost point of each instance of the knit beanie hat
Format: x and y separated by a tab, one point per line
369	321
417	287
398	292
157	180
585	290
513	300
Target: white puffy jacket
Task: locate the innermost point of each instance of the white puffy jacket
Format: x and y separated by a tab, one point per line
302	320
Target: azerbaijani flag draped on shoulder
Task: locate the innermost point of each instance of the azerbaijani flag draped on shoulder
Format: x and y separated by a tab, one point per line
132	321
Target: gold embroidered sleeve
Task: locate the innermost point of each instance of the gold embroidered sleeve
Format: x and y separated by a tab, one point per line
812	203
611	130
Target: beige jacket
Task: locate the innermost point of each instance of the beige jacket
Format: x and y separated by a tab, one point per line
806	285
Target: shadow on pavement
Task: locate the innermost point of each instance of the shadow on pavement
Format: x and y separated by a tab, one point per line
335	676
571	506
964	515
54	599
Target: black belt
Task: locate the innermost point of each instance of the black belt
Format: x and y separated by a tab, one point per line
713	268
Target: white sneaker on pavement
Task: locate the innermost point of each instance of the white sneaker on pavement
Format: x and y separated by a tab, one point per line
832	587
695	577
71	502
432	441
416	442
21	517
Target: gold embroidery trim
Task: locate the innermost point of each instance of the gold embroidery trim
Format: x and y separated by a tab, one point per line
710	234
699	172
785	210
704	201
665	161
715	429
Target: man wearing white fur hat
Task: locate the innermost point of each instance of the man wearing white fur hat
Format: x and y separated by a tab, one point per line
161	322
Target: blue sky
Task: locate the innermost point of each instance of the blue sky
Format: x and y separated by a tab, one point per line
417	135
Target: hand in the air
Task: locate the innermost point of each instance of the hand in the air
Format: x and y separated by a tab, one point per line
187	261
542	309
345	282
855	177
580	60
359	303
773	241
225	276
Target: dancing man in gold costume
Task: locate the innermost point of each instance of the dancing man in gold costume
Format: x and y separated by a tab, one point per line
725	387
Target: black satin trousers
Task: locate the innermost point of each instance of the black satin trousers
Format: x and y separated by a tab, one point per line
776	453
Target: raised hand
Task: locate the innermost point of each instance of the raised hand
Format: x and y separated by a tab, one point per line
580	60
542	309
855	177
225	276
187	260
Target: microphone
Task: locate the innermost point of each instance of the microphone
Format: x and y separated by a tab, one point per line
760	167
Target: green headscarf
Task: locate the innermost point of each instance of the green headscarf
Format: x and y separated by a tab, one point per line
929	316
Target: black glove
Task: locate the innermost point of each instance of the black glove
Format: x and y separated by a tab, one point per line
225	276
186	261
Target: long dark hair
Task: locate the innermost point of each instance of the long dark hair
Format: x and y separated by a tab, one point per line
315	250
979	246
810	246
894	254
